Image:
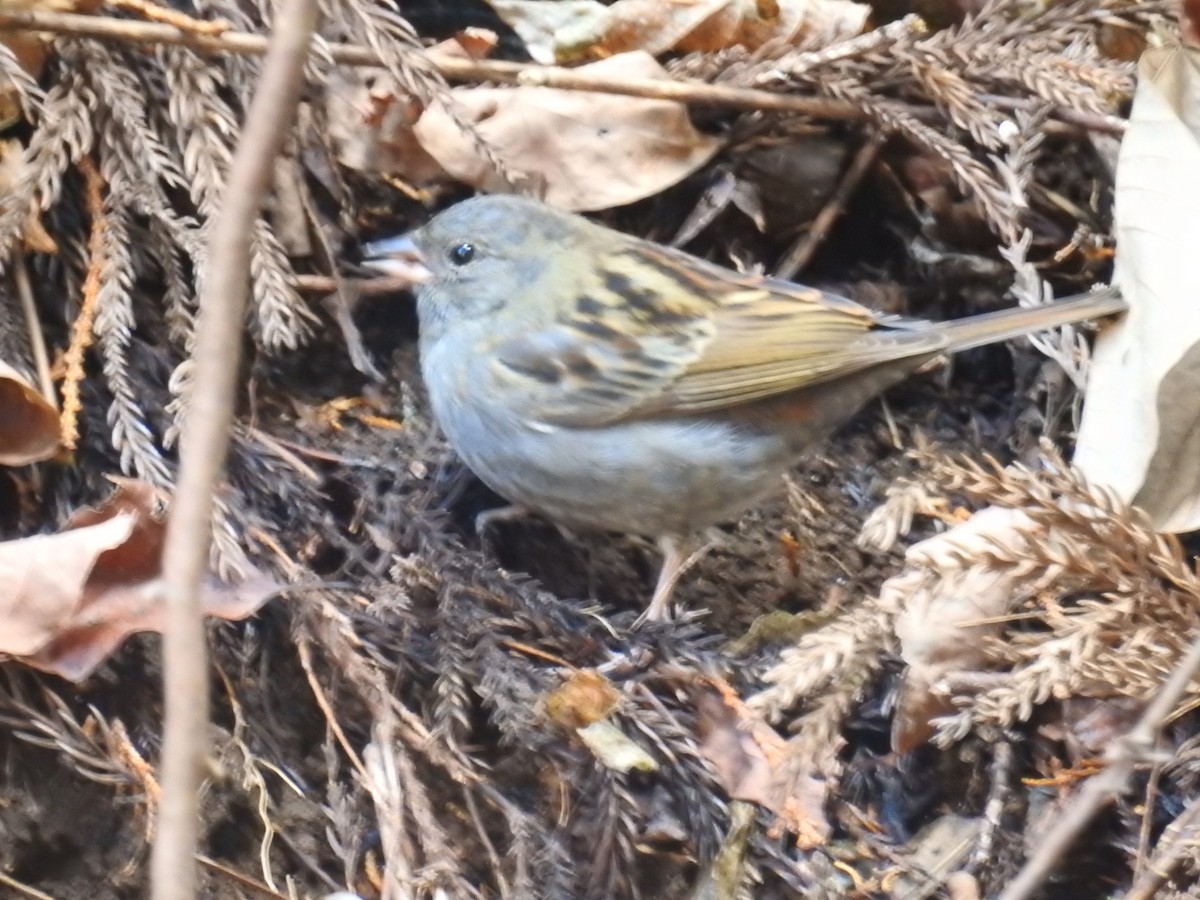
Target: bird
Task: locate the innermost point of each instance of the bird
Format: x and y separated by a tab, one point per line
608	382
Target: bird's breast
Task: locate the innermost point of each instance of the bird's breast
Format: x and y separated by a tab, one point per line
654	476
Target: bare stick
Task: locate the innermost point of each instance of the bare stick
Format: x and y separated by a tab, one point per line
1123	756
203	446
801	251
37	342
468	70
1177	844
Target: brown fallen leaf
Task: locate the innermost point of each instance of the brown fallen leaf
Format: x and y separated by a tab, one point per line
753	763
584	698
28	424
371	123
572	30
581	150
68	600
705	26
583	704
946	612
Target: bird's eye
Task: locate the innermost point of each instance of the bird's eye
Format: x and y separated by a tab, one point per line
462	254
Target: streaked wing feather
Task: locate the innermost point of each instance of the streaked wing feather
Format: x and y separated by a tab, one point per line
689	337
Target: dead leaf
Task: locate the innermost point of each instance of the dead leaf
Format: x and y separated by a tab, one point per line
752	762
614	749
371	127
1189	22
68	600
371	122
705	26
553	32
28	424
1140	433
1090	725
946	611
583	150
585	697
582	704
570	31
930	856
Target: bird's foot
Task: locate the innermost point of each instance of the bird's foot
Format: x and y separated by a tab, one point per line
676	561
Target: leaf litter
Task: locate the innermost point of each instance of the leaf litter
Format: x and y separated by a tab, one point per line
419	707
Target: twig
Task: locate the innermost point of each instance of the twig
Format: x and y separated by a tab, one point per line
156	13
37	341
801	252
327	284
993	810
204	443
1089	121
23	889
82	331
251	884
305	652
1176	845
468	70
451	67
1122	757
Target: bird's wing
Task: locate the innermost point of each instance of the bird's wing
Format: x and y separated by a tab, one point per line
688	336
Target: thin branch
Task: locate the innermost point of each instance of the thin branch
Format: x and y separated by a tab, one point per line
1123	757
802	251
250	884
82	331
23	889
37	341
1177	845
204	444
467	70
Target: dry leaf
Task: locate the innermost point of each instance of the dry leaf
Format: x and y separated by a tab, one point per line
930	856
614	749
583	150
752	763
705	26
586	697
371	122
946	610
569	31
1140	433
553	32
28	424
68	600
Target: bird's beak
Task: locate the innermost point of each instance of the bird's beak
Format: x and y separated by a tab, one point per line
398	257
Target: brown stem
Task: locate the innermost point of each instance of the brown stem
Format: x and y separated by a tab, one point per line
1123	757
203	446
806	245
468	70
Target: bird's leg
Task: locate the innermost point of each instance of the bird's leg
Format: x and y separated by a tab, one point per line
674	553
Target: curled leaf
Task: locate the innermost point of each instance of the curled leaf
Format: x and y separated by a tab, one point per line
570	30
28	424
1140	433
580	150
68	600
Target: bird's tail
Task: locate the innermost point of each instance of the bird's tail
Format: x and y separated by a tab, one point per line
1004	324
